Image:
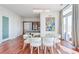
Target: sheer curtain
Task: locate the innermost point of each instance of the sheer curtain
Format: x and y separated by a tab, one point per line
75	24
60	23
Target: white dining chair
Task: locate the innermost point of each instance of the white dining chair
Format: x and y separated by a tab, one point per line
56	41
48	42
35	42
27	40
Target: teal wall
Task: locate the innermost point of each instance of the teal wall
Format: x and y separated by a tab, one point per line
5	27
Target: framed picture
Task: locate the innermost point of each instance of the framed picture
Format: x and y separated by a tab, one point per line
50	23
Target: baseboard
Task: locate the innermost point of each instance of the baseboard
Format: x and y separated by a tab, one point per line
10	38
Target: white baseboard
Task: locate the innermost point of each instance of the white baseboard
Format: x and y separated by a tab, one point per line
10	38
7	39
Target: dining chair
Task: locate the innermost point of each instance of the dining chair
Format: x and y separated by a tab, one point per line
35	42
27	40
56	41
48	42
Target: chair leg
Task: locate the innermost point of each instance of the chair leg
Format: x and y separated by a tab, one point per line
52	50
45	50
31	49
38	50
24	46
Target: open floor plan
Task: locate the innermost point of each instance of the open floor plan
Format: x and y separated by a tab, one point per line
39	29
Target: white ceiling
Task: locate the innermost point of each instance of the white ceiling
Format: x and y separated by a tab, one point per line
26	10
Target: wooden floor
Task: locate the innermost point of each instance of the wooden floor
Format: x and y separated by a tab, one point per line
15	46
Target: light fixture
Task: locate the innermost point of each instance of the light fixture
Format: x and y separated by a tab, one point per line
40	10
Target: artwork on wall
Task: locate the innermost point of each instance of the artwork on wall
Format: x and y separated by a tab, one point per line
50	23
5	27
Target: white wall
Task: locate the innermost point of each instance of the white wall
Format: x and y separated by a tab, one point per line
43	22
15	23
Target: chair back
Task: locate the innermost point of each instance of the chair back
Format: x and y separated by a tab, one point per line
27	38
57	40
48	41
35	42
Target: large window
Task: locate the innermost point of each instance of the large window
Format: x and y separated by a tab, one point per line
67	23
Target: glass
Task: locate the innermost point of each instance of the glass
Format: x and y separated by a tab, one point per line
67	10
67	23
70	26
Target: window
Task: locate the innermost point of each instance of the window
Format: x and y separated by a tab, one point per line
67	23
67	10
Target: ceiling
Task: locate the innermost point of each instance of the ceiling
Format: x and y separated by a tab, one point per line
26	10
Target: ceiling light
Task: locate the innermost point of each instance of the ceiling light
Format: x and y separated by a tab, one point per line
37	11
40	10
46	10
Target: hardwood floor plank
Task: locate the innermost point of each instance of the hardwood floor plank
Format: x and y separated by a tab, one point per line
15	46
